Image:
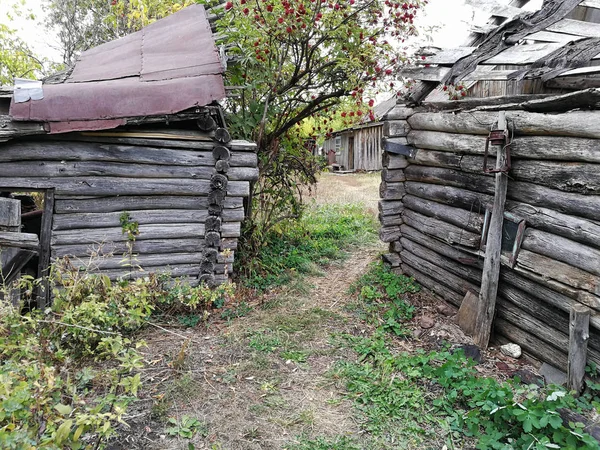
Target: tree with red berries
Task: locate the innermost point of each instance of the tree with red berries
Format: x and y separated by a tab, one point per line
300	59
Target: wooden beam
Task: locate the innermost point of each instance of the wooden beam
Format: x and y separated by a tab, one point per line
523	54
491	267
494	8
579	333
576	27
550	36
19	240
43	289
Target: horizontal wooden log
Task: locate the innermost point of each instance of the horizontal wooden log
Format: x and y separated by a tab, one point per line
392	161
231	230
543	293
175	271
469	220
101	186
135	261
531	344
580	124
229	243
115	234
526	147
19	240
389	234
395	247
399	112
392	175
150	246
565	202
574	228
390	221
102	220
74	204
10	129
83	151
443	276
549	268
391	191
432	284
465	272
242	173
395	128
442	248
444	231
562	249
391	259
390	207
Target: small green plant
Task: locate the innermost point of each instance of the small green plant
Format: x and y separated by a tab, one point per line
129	227
186	428
190	320
265	341
240	310
295	355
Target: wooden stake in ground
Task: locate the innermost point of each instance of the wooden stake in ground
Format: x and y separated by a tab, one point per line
491	267
579	326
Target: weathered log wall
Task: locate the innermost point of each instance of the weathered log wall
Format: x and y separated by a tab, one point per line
432	211
186	195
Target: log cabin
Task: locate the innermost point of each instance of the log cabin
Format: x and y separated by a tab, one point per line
499	196
129	139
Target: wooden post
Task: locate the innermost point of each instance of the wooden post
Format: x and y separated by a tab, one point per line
491	267
10	221
579	325
43	289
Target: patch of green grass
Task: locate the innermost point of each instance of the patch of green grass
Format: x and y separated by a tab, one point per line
265	341
381	298
295	355
317	239
240	310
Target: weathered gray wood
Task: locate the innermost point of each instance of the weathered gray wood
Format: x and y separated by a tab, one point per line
10	129
579	124
238	173
436	159
19	240
448	56
70	204
562	249
442	230
450	177
10	214
443	276
115	234
432	284
101	186
138	260
550	269
574	228
390	207
436	73
494	8
581	178
392	175
395	128
399	112
391	259
469	220
493	250
390	233
579	334
11	267
231	229
93	151
530	147
576	27
454	196
221	153
391	191
150	246
180	270
396	246
206	123
100	220
390	221
391	161
465	272
222	166
574	82
43	289
549	36
525	54
222	135
531	344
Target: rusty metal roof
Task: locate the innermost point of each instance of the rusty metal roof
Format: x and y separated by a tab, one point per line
167	67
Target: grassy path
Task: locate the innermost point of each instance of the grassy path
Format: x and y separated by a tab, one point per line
260	381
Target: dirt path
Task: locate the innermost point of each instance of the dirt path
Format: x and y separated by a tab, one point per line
258	382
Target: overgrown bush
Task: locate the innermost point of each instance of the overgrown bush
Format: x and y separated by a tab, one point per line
53	392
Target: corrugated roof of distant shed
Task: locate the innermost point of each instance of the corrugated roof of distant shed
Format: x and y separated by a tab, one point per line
167	67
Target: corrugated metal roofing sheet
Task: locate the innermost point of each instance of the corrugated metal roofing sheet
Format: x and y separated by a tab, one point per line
167	67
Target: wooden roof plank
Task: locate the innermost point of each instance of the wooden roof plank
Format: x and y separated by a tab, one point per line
590	3
581	71
425	73
448	56
549	36
523	54
577	27
494	8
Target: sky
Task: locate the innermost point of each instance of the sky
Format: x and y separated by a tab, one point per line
446	21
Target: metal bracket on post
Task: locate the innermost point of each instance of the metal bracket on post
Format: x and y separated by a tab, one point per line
497	138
